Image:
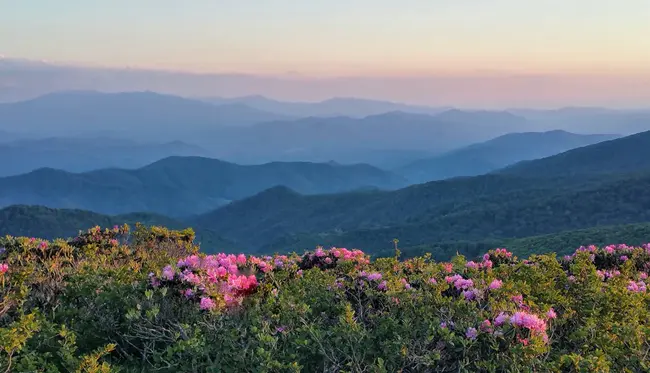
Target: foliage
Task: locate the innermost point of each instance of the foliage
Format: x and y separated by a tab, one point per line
147	300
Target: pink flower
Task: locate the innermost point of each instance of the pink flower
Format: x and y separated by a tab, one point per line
319	252
624	258
43	245
463	283
551	314
328	260
241	259
433	281
382	286
207	303
528	321
486	257
4	267
448	267
299	273
496	284
469	294
376	276
501	319
472	265
168	273
486	326
471	333
405	283
643	276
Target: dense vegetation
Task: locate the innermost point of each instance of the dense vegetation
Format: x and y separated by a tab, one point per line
145	300
51	223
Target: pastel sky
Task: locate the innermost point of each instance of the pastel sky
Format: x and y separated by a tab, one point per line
335	37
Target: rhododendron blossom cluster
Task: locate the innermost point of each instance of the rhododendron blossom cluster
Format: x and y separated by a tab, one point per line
216	280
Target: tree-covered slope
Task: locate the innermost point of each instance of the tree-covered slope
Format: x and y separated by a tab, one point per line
497	153
182	186
626	154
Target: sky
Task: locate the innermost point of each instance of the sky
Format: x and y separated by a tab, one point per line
322	38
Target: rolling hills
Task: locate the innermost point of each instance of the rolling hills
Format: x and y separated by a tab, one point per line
627	154
472	208
181	186
481	158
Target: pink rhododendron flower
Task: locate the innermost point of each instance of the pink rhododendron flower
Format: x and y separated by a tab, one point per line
376	276
382	286
433	281
624	258
448	267
551	314
4	267
168	273
501	319
472	265
471	333
43	245
496	284
486	326
469	294
528	321
207	303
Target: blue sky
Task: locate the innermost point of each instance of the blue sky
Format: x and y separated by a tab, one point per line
334	37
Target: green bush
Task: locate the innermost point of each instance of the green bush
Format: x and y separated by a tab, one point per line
147	300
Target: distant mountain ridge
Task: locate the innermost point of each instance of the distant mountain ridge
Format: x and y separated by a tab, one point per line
79	154
334	107
513	204
181	186
74	112
321	139
481	158
627	154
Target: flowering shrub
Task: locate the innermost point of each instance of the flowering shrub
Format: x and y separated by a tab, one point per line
148	300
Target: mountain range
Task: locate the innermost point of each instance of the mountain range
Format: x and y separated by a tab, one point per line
512	204
136	113
79	154
491	155
506	206
334	107
181	186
